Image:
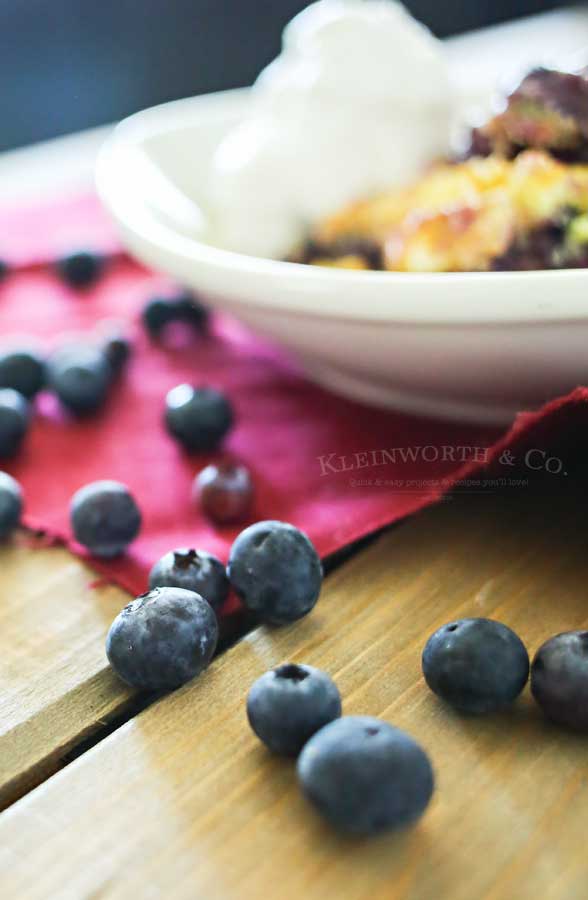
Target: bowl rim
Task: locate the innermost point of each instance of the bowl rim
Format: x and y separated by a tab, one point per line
426	298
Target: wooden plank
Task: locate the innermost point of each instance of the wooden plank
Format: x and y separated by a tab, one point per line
56	683
183	802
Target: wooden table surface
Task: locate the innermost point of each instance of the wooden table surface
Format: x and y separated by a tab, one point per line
106	794
180	800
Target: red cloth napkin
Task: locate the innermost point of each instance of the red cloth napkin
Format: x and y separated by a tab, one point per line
323	463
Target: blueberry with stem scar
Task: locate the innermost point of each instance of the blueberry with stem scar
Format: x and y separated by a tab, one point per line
365	776
286	706
476	665
193	570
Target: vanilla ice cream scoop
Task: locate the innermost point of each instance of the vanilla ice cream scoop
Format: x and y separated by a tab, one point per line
358	100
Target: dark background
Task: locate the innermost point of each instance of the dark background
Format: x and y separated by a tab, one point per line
71	64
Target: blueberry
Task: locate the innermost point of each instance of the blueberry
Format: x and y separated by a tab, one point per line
162	639
559	679
188	309
117	350
286	706
105	518
80	377
3	269
14	421
161	311
198	417
476	665
156	314
81	269
10	504
224	492
365	776
276	571
23	370
193	570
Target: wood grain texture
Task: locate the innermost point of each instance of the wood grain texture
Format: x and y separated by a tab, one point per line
56	683
183	802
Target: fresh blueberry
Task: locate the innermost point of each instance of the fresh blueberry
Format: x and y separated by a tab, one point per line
161	311
286	706
162	639
3	269
117	350
276	571
193	570
105	518
476	665
14	421
224	492
365	776
156	314
10	504
81	269
559	679
189	310
80	377
23	370
198	417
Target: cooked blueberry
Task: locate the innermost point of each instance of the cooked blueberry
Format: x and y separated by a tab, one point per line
193	570
198	417
162	639
23	370
14	421
105	518
80	377
80	269
286	706
276	571
365	776
476	665
225	492
10	504
559	679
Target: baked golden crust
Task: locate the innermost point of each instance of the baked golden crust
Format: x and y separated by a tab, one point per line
466	216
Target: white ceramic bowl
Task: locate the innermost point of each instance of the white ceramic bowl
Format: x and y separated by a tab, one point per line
474	346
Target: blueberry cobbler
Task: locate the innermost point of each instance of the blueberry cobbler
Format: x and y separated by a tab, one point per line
517	200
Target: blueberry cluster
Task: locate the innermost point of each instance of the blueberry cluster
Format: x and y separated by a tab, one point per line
199	418
105	519
362	774
79	374
481	666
